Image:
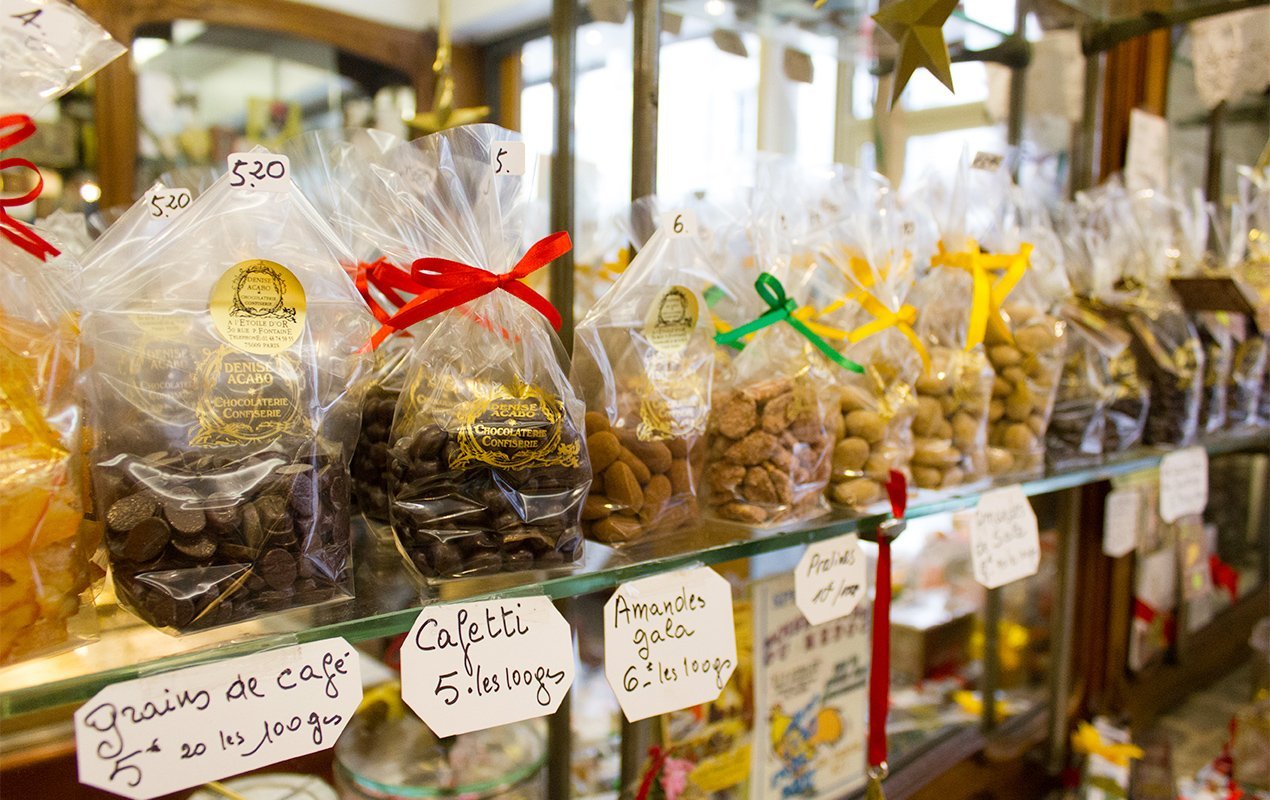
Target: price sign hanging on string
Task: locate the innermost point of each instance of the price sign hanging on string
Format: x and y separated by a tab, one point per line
1120	522
669	641
470	666
168	732
1005	542
830	579
1183	483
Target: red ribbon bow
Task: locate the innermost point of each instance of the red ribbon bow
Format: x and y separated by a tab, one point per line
443	284
1224	576
1149	614
14	129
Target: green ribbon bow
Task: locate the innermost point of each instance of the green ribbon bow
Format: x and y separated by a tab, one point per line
781	309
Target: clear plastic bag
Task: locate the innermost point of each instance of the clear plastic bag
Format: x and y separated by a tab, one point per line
643	361
488	467
335	170
50	46
45	544
774	416
225	391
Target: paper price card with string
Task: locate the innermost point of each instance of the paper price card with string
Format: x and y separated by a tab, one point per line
164	733
488	466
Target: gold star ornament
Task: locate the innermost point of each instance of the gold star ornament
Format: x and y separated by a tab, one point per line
918	27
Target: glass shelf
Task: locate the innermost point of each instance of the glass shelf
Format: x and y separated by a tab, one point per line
387	600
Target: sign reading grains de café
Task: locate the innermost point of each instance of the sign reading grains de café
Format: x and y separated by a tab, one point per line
258	306
669	641
172	731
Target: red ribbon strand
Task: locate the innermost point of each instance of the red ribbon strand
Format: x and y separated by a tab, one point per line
14	129
440	284
880	672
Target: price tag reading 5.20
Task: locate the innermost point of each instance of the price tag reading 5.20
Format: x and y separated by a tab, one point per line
267	172
167	203
470	666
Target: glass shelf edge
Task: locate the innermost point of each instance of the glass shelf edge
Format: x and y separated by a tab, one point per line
24	700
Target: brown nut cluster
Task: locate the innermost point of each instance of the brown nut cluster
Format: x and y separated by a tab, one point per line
1027	376
876	438
950	428
638	486
769	456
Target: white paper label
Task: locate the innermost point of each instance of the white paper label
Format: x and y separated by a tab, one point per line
507	158
1147	154
266	172
669	641
470	666
989	162
679	223
830	579
167	203
1183	483
1120	522
168	732
53	24
1004	540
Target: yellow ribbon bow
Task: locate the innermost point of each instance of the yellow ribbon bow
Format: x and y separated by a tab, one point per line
989	295
1086	739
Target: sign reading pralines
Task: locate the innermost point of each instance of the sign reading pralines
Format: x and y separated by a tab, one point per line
830	579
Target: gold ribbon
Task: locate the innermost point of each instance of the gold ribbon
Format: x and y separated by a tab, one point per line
1086	739
901	320
989	294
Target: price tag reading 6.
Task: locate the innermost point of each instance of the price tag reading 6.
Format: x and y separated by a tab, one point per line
679	223
268	172
470	666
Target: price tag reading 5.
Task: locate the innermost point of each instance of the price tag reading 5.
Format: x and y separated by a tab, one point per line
507	158
1005	544
167	203
267	172
470	666
679	223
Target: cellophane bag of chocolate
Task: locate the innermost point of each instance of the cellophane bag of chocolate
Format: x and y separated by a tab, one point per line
45	544
1247	257
488	468
774	415
643	361
335	169
225	391
868	248
1166	344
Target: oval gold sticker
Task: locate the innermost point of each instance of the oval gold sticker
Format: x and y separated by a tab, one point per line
258	306
671	319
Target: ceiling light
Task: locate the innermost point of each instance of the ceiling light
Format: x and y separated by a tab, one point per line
715	8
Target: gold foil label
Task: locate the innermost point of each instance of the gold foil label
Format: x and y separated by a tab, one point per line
671	320
514	427
673	401
247	399
259	306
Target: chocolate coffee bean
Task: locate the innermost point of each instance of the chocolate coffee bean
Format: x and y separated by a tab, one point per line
213	542
370	462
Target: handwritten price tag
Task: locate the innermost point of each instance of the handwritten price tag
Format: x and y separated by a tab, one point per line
830	579
507	158
470	666
1120	522
167	203
1183	483
669	641
1004	540
679	223
266	172
54	24
168	732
